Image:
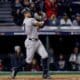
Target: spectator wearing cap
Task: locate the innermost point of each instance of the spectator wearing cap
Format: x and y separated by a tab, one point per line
76	22
17	58
65	20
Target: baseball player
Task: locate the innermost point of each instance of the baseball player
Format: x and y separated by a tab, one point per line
32	43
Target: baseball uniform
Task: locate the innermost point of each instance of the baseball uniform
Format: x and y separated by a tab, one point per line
32	43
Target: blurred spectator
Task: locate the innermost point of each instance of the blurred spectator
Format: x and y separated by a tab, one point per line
1	65
35	66
17	12
50	8
61	7
32	8
73	59
40	15
17	4
17	58
29	4
39	4
78	61
75	6
42	5
26	3
51	58
4	1
76	22
65	21
64	6
61	63
53	21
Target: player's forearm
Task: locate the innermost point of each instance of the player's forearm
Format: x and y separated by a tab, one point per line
40	24
39	27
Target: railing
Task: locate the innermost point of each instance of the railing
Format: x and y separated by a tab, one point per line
47	30
50	30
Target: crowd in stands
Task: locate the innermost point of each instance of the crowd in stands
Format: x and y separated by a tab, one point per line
55	12
58	63
62	57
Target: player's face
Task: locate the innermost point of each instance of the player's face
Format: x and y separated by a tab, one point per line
27	14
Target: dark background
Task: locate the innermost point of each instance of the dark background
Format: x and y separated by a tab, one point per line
60	44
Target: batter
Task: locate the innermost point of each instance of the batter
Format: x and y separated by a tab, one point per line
32	42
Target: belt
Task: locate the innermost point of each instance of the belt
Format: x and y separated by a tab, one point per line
33	39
